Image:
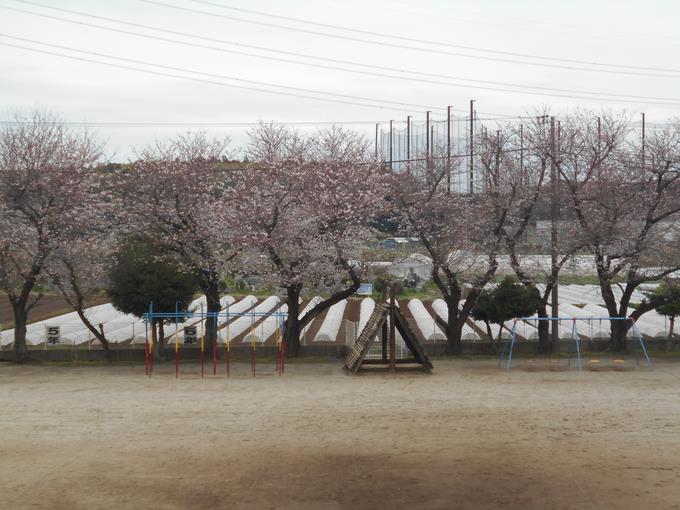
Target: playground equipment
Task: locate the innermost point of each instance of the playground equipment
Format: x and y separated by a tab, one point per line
594	364
272	325
386	316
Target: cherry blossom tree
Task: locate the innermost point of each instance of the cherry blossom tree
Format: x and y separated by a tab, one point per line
307	203
514	162
179	193
625	199
459	232
45	187
78	270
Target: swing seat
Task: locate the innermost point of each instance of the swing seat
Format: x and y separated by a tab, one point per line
620	364
530	365
595	365
556	365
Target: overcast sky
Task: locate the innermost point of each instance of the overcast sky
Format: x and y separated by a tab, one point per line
640	35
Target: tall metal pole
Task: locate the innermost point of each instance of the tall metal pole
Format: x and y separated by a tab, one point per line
521	151
408	137
448	149
427	135
391	136
393	345
472	146
643	140
377	127
432	138
553	237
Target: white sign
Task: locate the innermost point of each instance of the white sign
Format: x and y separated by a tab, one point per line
190	335
53	334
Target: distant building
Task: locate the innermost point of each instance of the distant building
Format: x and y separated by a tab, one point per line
414	264
394	243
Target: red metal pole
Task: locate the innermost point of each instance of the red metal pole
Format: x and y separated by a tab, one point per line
146	357
283	356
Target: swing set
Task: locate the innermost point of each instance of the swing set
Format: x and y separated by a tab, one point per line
201	317
509	345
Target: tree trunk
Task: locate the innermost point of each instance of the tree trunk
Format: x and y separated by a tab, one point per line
291	334
20	321
98	333
618	339
160	351
211	290
154	338
454	330
499	339
669	341
544	340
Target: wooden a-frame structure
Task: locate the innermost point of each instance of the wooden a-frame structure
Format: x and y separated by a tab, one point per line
378	322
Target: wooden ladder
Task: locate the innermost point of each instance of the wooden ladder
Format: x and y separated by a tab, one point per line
363	343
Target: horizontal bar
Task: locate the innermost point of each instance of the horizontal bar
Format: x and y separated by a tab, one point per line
574	319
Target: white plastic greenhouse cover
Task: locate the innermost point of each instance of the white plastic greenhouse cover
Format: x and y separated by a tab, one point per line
195	306
243	323
583	328
328	332
596	328
427	325
441	308
312	303
235	308
266	328
365	311
648	326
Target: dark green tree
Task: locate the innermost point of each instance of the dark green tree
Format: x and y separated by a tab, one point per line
145	273
668	299
508	300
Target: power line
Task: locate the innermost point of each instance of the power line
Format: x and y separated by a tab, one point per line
567	93
413	48
422	41
485	18
205	124
213	75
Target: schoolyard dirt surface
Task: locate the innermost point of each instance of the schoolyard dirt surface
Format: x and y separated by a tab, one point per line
468	436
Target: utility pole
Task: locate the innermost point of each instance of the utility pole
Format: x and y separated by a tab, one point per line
553	237
427	136
391	136
643	140
377	127
472	146
448	150
393	346
521	154
408	137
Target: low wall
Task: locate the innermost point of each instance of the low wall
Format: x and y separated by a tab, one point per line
243	352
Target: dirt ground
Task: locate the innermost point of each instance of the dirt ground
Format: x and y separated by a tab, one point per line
468	436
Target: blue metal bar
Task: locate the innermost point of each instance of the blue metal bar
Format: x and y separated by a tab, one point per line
512	346
505	345
577	337
642	344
